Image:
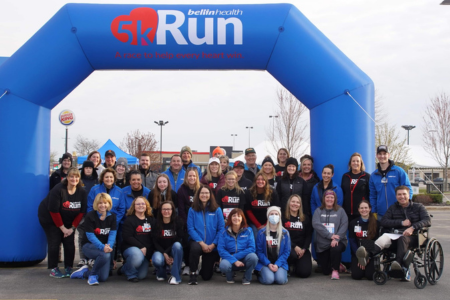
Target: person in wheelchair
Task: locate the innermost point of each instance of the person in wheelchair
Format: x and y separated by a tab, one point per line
404	218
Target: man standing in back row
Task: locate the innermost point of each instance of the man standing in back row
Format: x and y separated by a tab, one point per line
251	168
186	157
383	182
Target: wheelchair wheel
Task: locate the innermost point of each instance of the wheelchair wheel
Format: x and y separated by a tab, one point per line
420	281
380	277
433	261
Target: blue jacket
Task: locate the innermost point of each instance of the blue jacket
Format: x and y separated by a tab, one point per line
192	165
236	248
205	226
261	250
117	197
382	195
180	179
317	194
128	195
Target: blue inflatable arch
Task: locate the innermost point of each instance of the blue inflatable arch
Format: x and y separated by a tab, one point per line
82	38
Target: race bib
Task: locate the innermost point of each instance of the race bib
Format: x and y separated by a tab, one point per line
226	212
357	229
329	227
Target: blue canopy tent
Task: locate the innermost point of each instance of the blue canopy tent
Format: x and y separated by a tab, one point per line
109	145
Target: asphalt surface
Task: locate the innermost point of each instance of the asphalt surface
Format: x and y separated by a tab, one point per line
35	283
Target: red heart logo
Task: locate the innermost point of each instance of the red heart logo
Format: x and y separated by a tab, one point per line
97	231
225	199
279	173
140	229
140	25
66	204
211	185
255	203
287	224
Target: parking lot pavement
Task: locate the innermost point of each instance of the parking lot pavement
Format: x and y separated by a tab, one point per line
35	283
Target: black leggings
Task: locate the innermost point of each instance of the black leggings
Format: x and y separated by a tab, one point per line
54	239
358	273
208	260
303	265
330	259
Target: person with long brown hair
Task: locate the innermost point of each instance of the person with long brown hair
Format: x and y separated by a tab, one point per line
214	177
268	170
168	239
299	226
231	195
96	158
263	196
205	222
137	245
237	247
330	223
363	231
162	192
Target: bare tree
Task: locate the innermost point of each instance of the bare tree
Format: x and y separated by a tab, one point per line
136	142
387	134
436	132
53	156
288	131
84	146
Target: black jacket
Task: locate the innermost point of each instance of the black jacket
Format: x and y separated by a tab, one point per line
360	191
307	191
416	213
284	191
57	177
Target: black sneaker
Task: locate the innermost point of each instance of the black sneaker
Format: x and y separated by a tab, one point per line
134	279
119	271
193	279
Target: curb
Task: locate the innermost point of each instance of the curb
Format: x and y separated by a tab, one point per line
434	208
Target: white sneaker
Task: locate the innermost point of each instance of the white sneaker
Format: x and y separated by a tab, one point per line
186	271
160	278
173	281
91	262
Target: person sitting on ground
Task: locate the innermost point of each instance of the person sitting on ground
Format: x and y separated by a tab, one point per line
406	218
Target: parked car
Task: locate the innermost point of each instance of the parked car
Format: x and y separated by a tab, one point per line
419	180
438	180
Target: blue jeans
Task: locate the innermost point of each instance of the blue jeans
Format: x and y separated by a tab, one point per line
250	261
136	264
159	262
266	276
101	265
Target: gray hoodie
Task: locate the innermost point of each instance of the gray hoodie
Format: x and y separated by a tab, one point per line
338	219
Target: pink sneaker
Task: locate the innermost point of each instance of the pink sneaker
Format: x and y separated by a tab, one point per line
335	275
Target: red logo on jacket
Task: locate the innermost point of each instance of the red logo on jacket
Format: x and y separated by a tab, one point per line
97	231
66	204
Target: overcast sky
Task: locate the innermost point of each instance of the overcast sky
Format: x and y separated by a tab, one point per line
402	45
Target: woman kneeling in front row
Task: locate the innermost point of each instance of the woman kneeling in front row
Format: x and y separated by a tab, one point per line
237	247
273	247
100	234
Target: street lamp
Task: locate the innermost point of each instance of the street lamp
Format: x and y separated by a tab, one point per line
273	126
161	123
248	127
408	128
233	135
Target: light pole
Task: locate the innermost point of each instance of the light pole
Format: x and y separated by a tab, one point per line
161	123
234	136
248	127
408	128
273	126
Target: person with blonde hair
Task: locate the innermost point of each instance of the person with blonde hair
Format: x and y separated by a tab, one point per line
231	195
355	186
100	234
299	226
213	177
282	156
224	164
137	247
59	215
273	247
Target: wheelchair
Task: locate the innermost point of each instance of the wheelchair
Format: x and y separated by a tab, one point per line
429	255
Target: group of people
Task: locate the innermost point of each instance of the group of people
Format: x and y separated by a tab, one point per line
269	219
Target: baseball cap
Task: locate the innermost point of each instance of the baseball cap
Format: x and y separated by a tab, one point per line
110	152
238	164
382	148
249	150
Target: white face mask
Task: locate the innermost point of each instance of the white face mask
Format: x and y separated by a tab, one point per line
274	219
